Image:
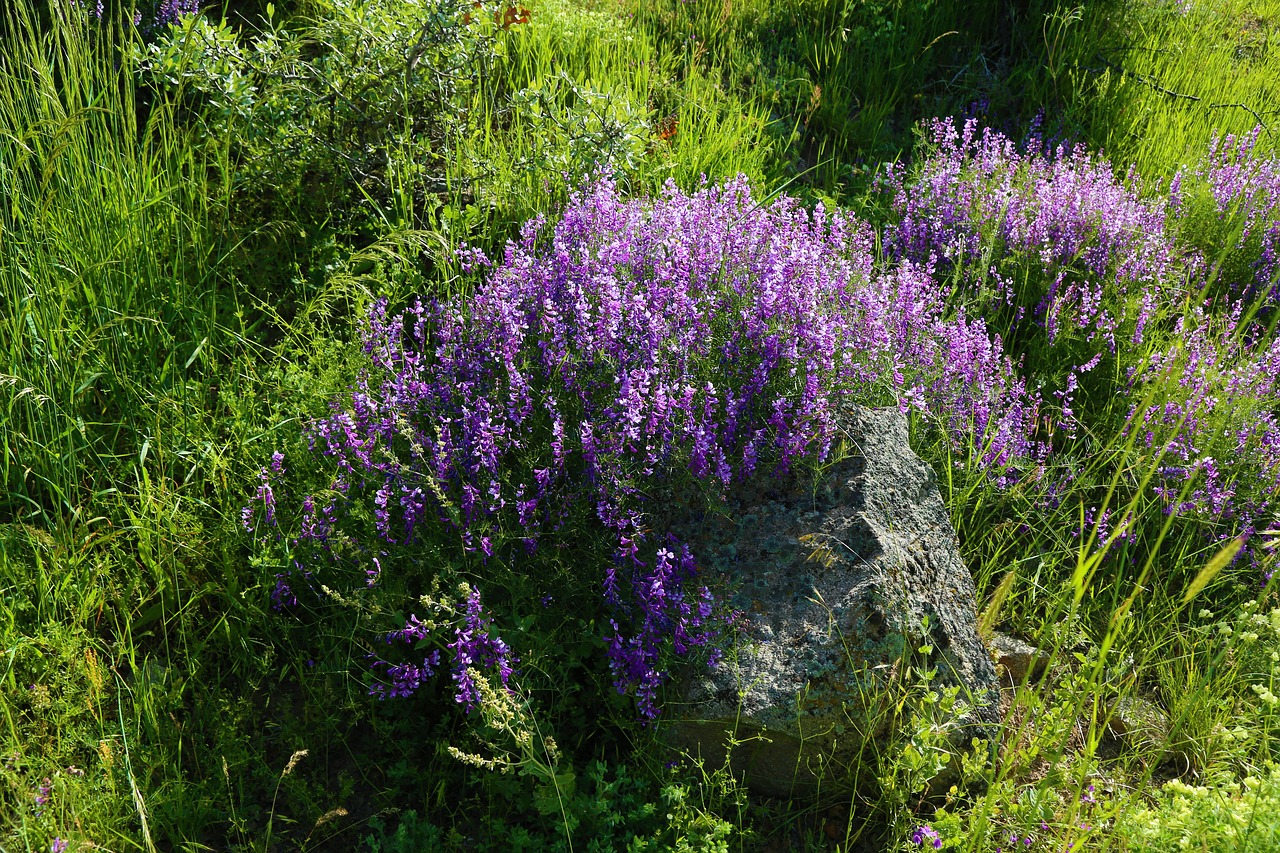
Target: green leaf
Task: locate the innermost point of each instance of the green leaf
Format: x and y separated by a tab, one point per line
552	796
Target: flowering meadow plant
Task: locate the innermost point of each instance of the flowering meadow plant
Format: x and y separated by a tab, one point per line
1090	252
1243	182
1094	282
1215	420
638	349
697	337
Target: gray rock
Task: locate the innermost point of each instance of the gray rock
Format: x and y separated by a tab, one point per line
841	581
1141	727
1138	723
1022	661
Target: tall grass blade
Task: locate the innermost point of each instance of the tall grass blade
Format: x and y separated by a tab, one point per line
1220	561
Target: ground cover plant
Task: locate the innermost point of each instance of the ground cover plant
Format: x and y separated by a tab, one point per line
349	347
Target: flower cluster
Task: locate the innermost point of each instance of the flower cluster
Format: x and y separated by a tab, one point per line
1245	186
663	611
706	333
926	835
1054	237
1211	415
161	14
172	11
1102	254
473	647
44	793
404	679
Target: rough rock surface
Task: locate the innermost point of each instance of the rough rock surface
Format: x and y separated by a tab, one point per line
1138	723
840	579
1021	660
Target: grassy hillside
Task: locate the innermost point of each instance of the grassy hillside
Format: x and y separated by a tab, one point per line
306	541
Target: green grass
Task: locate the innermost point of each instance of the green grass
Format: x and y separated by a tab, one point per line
106	272
162	331
1154	87
843	81
136	402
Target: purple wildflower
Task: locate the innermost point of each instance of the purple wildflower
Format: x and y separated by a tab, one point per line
926	834
702	332
172	11
44	794
403	680
265	494
1103	254
282	594
474	646
1051	240
1245	185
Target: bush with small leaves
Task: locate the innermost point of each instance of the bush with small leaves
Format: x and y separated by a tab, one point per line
350	118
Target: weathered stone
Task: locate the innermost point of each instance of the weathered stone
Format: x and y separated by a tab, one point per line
1138	723
841	581
1022	661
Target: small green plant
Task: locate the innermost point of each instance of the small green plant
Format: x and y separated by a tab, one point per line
1227	815
580	131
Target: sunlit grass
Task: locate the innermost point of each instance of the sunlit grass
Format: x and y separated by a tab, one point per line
1155	89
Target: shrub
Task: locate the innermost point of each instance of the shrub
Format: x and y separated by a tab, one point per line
697	338
350	118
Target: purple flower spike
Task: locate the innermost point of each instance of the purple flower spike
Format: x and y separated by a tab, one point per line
173	11
43	794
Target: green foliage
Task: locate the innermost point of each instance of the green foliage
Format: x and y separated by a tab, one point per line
613	809
579	87
187	234
580	130
1226	816
350	118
